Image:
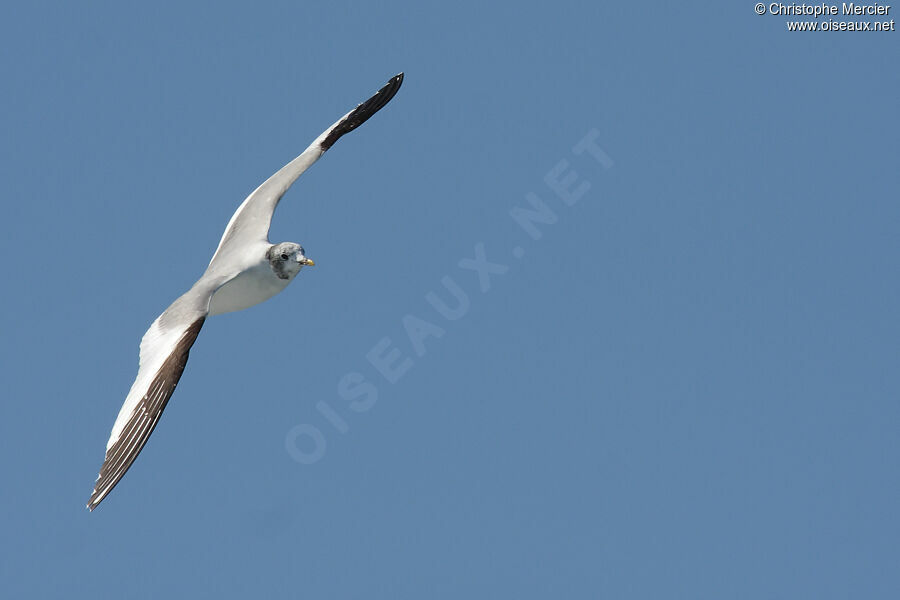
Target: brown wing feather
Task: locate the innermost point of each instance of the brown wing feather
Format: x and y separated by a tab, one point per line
362	112
142	422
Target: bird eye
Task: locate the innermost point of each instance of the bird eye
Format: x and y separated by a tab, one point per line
284	256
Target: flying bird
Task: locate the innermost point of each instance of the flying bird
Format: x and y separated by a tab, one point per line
245	270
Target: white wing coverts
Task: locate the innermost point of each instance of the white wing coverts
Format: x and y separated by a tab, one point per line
250	223
164	353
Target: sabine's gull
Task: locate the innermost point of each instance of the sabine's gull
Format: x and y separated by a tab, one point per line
245	270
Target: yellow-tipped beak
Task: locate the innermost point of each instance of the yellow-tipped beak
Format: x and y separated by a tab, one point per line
309	262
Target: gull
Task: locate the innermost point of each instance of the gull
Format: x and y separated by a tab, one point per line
245	270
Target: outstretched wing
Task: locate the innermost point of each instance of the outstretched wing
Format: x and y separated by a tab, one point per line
251	221
164	353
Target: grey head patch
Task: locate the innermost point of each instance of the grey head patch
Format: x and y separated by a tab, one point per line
280	257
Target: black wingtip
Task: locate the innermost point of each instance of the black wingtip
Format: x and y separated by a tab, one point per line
365	110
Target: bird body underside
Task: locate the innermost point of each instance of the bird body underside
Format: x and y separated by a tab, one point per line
254	285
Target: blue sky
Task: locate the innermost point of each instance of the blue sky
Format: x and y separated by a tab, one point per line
686	387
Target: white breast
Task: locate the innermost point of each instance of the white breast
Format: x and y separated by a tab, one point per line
256	284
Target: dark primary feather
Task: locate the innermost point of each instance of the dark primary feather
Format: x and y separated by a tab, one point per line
362	112
146	414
